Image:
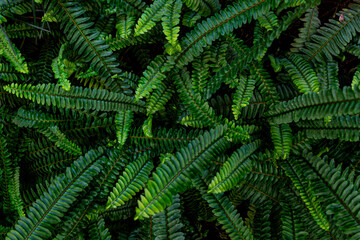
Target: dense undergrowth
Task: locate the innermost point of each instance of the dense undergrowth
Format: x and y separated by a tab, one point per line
179	119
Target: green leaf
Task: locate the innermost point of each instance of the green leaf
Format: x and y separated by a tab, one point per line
282	139
48	210
173	176
123	121
133	179
234	169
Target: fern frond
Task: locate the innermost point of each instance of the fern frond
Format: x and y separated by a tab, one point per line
282	139
301	73
331	39
133	179
234	169
226	213
167	224
12	53
124	25
345	128
328	74
152	78
268	21
307	193
264	83
159	97
311	24
171	177
327	102
77	29
224	22
355	83
169	21
61	194
98	231
150	16
77	97
242	95
55	135
123	120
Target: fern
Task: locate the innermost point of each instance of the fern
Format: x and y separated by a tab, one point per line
11	53
61	194
132	181
330	40
302	74
123	122
77	97
179	119
159	194
151	15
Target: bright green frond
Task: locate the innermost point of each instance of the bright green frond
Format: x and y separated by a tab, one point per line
77	97
123	121
133	179
170	20
172	176
282	139
242	95
234	169
301	73
12	53
150	16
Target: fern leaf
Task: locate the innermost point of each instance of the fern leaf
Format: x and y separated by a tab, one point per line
98	231
172	176
325	103
170	20
268	20
356	79
59	71
226	213
77	30
234	169
331	39
311	24
61	194
7	167
344	128
151	15
152	78
133	179
282	139
265	83
307	194
147	126
11	53
124	25
242	95
123	121
55	135
301	73
292	221
328	74
167	224
76	98
224	22
338	191
159	97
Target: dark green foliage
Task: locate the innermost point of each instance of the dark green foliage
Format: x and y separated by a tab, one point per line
179	119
